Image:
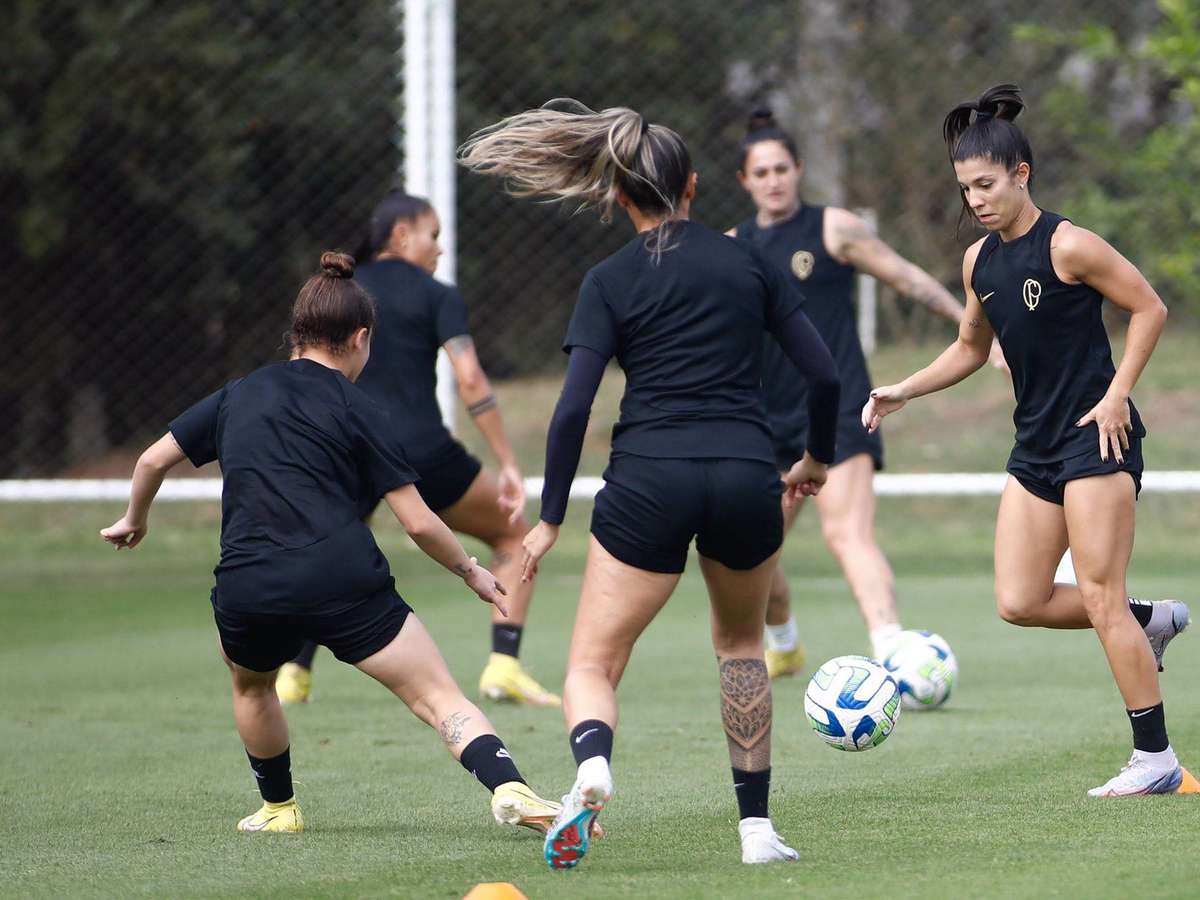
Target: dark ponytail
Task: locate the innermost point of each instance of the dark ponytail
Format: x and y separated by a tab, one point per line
984	129
762	127
396	206
330	307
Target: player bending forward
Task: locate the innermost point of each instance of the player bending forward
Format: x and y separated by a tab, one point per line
1038	281
304	454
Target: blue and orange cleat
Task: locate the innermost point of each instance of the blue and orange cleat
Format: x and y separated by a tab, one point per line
568	838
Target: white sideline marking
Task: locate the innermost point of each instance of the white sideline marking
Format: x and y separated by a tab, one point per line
950	484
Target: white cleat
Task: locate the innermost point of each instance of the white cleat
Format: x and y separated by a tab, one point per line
760	843
569	836
1138	778
1170	617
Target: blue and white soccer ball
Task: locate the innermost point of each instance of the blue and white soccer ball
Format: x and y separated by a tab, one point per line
852	703
925	668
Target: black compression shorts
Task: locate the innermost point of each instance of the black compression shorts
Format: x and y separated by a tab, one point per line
649	510
445	479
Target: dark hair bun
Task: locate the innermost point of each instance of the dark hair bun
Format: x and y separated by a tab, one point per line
760	119
1001	102
337	265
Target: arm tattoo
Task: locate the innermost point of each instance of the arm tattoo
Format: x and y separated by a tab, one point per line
451	728
459	344
479	407
462	569
746	712
975	323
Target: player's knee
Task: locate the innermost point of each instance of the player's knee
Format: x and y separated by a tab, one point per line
1015	605
1105	606
844	539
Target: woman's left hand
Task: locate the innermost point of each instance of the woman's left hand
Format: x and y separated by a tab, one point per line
1111	416
537	543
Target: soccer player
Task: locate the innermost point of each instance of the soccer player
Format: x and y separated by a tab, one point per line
683	309
1037	281
305	454
822	248
417	315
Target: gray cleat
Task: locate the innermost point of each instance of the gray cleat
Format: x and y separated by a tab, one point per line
1169	618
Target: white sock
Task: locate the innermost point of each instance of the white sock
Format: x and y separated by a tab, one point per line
783	637
1164	759
755	825
594	772
882	637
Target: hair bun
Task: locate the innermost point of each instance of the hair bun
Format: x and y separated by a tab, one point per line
337	265
760	118
1003	101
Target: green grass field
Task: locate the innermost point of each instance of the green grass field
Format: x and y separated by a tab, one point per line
122	774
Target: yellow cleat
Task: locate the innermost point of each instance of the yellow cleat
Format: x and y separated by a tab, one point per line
784	662
506	681
279	817
514	803
293	684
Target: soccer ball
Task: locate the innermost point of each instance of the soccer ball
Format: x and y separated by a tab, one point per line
852	703
924	667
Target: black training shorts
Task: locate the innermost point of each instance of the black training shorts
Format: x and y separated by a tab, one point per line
649	510
446	478
353	631
1049	480
852	439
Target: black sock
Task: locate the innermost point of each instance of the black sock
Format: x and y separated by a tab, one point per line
1142	610
1149	729
304	658
488	760
752	789
506	639
591	738
274	776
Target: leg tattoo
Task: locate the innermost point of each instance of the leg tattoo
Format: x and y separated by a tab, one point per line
746	712
451	728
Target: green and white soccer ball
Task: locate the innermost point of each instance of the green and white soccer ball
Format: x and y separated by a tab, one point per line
925	668
852	703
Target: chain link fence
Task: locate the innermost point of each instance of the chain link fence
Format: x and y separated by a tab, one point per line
169	173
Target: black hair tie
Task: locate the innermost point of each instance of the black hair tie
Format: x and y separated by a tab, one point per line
982	115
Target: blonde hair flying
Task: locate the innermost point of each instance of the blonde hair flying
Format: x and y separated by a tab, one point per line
567	151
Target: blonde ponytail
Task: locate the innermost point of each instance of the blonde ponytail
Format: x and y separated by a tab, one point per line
566	151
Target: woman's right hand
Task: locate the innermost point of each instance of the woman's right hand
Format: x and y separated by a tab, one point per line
484	583
883	402
124	534
804	479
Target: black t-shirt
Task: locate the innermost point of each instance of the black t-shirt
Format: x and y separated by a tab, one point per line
687	330
416	315
305	455
797	246
1053	338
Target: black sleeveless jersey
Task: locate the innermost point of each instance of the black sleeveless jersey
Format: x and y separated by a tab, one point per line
797	247
1054	340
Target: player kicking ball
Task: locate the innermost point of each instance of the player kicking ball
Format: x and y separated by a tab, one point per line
304	454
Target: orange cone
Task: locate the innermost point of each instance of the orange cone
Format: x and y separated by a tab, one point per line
495	890
1189	785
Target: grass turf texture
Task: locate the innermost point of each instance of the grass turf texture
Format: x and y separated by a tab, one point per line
123	775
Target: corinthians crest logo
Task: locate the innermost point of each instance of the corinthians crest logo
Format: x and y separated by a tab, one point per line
1032	293
802	264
